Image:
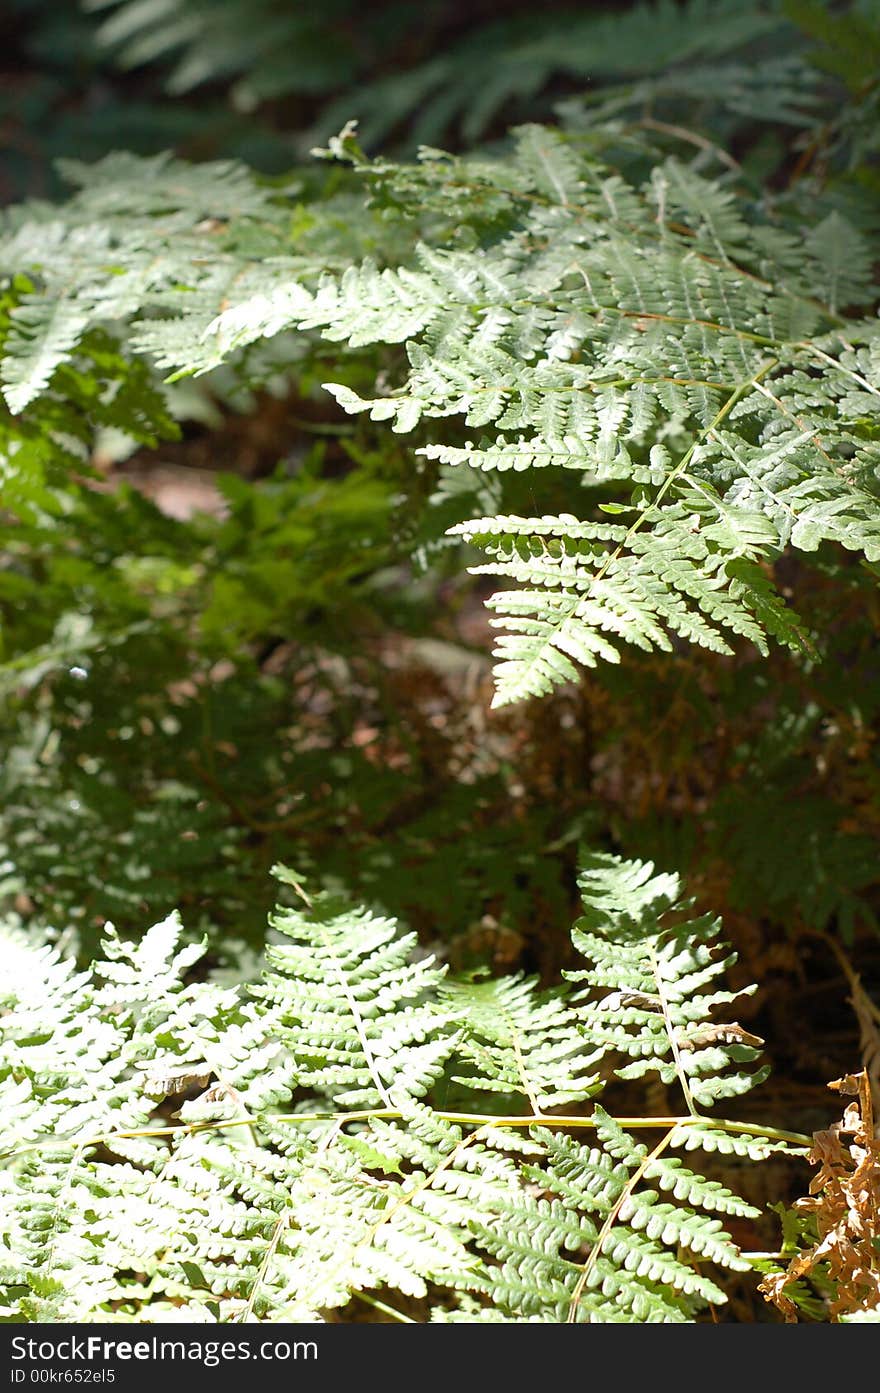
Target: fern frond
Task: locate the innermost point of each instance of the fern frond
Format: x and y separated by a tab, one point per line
318	1160
601	1247
263	52
355	1013
605	584
654	967
656	334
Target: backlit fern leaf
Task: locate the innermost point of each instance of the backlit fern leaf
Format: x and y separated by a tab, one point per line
600	1246
318	1161
357	1015
657	970
653	333
605	584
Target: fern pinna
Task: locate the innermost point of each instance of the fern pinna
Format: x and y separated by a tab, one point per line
274	1152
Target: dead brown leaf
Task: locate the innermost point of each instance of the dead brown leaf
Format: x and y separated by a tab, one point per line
844	1198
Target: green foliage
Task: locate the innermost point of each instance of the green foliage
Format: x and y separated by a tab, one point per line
279	48
623	371
318	1160
649	336
247	78
423	76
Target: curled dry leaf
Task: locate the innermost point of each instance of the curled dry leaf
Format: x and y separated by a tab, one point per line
179	1078
845	1200
722	1034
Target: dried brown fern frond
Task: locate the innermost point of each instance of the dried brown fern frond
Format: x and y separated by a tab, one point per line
844	1201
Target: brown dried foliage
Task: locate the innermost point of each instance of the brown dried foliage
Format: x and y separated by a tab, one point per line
844	1199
